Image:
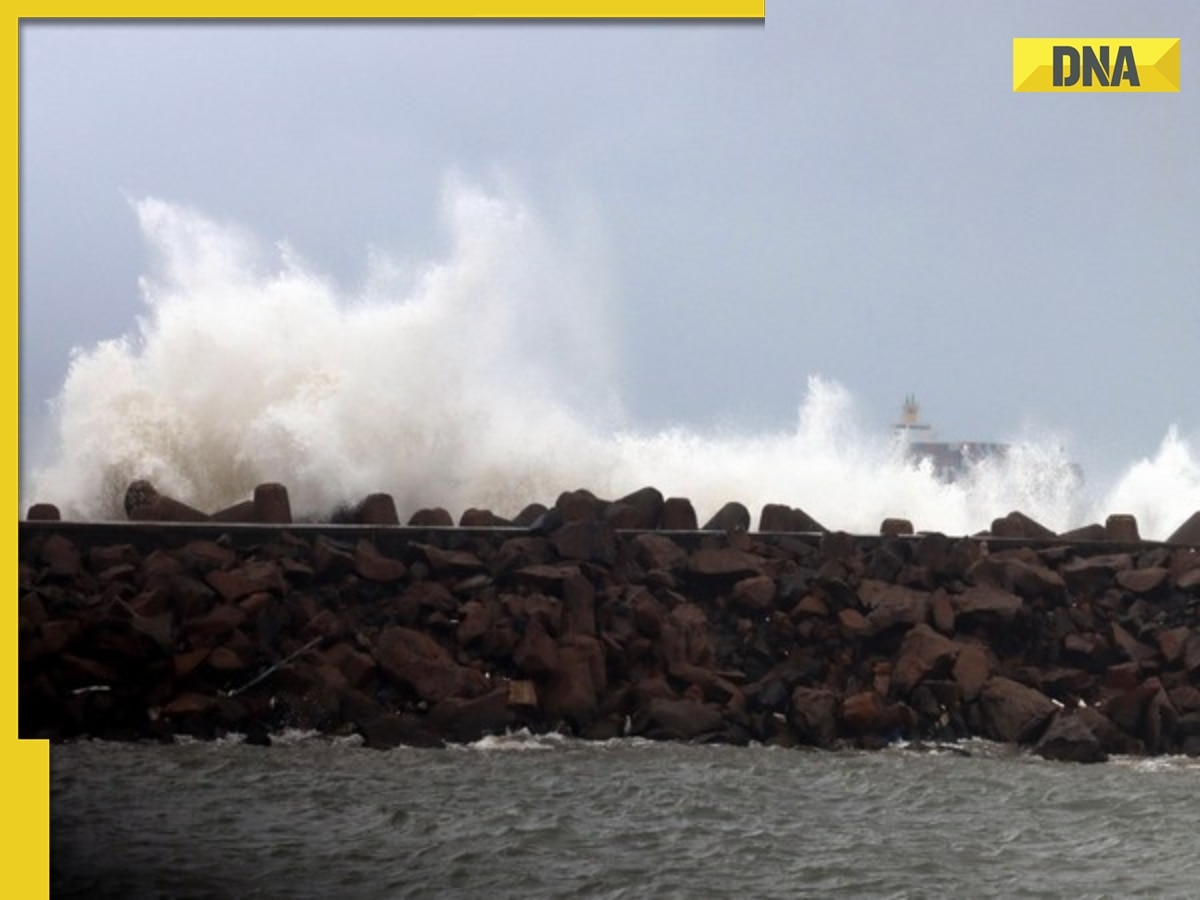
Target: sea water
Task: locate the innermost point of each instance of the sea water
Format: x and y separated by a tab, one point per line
524	816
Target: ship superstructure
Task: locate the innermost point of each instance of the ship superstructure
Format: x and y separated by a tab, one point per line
950	459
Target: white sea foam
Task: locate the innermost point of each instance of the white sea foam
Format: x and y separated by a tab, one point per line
482	378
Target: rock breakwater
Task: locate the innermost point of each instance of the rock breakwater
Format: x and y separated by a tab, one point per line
588	618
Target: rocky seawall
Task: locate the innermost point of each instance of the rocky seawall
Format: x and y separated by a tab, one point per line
593	618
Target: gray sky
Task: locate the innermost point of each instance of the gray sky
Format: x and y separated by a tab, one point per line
851	189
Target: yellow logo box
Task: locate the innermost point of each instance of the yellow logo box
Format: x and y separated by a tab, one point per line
1095	64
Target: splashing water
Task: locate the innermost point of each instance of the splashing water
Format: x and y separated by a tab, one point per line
480	379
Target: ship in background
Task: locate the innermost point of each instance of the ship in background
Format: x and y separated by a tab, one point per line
950	459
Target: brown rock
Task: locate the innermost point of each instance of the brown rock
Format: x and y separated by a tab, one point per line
60	556
43	512
941	612
641	510
1018	525
587	540
756	593
854	624
415	660
434	517
466	720
1188	533
891	605
1142	581
388	730
972	669
663	718
579	606
331	560
1131	647
221	620
678	515
896	527
1089	649
482	518
449	562
724	562
811	605
529	515
376	509
1069	739
372	565
476	620
271	504
733	516
923	653
259	575
572	692
1121	528
536	654
242	512
861	712
987	606
1091	576
813	716
1014	713
1083	534
656	551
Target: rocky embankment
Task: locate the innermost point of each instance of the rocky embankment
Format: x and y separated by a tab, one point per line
588	617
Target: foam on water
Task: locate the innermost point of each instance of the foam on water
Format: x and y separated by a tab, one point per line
481	378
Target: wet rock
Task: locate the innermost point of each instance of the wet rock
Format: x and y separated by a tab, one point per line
383	732
668	719
465	721
1014	713
1068	739
813	716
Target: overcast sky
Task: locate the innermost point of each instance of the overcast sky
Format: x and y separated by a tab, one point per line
850	189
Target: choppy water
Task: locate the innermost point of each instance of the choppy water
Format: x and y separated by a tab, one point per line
551	817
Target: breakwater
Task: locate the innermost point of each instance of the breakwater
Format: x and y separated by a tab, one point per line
606	619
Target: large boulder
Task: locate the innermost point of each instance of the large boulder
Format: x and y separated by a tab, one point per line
1069	739
1014	713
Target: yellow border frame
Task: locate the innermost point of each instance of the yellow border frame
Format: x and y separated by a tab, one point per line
26	764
